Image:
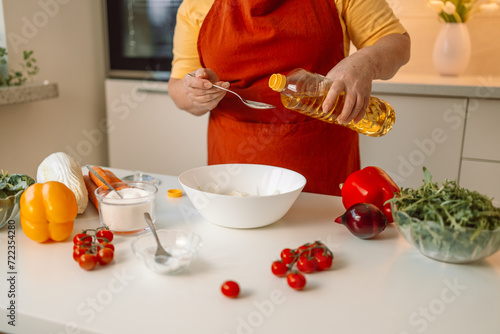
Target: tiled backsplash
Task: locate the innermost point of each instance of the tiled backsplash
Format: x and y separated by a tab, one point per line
423	26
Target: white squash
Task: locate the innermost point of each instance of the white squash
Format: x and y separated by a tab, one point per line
65	169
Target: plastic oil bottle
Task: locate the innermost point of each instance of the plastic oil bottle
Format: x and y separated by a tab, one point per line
305	92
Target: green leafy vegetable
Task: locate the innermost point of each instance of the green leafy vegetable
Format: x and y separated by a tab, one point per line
449	205
447	222
11	184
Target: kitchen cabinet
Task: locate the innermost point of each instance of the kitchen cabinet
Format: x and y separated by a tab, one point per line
428	132
482	132
480	168
147	132
481	176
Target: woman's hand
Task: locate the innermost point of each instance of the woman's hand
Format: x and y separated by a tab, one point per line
197	94
353	75
200	91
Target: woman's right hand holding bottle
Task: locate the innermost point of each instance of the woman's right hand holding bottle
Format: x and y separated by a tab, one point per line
353	76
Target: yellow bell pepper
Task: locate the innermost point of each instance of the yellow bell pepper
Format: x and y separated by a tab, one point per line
48	211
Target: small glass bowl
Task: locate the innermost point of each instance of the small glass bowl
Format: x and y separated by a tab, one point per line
182	245
444	243
9	208
141	177
126	215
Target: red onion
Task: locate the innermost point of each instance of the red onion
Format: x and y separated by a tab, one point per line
364	220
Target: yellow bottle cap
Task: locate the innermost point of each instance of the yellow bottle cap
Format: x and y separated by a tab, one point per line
277	82
174	193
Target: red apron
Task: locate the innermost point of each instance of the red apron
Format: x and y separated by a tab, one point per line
245	42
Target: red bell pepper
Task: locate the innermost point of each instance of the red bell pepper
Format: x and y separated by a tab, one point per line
369	185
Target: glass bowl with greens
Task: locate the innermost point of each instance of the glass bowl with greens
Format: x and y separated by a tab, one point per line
446	222
11	189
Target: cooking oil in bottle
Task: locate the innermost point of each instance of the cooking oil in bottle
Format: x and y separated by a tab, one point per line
305	92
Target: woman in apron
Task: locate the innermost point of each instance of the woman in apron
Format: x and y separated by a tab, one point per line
240	43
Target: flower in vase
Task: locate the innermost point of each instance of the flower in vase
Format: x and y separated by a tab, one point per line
449	8
461	10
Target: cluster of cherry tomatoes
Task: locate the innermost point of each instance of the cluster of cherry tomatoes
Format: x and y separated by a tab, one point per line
308	258
93	246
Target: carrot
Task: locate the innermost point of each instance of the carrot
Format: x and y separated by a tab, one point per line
91	187
92	182
106	175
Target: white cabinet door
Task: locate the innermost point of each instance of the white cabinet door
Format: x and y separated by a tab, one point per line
147	132
483	177
482	137
481	156
428	132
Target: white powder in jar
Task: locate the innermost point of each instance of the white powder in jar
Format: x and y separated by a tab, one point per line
127	214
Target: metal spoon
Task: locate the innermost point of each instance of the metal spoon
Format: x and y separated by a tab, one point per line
251	104
161	255
103	180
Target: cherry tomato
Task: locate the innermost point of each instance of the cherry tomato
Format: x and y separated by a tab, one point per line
230	289
81	238
307	265
105	256
87	261
317	250
108	245
305	250
83	244
305	246
324	261
296	281
279	268
104	235
79	251
287	255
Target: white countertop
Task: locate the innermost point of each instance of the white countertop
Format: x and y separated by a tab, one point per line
375	286
481	86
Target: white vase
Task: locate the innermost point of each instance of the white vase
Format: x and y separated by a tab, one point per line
452	49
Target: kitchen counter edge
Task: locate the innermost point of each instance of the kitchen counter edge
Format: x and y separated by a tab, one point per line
480	86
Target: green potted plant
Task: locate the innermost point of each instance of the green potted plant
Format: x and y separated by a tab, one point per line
28	70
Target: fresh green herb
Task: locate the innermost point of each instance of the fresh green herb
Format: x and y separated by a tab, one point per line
449	204
29	69
11	184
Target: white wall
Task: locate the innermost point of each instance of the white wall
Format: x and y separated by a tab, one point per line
68	41
423	26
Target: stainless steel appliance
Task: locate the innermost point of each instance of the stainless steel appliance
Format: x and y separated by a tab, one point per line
140	37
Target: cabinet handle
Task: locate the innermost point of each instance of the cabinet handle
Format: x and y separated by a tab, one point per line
152	90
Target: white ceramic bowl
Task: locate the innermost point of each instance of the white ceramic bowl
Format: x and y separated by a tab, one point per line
242	195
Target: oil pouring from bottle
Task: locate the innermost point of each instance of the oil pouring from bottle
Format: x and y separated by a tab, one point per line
305	92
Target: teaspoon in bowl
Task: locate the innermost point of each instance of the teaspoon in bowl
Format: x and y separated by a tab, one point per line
161	255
